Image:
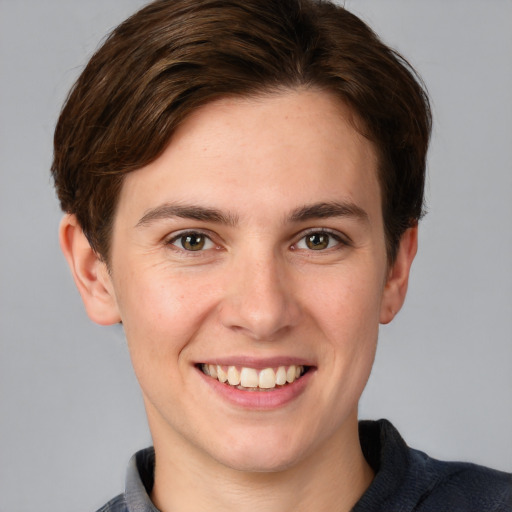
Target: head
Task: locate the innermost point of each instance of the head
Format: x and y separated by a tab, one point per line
244	180
172	57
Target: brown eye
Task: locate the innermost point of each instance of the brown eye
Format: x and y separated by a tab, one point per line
192	241
320	241
317	241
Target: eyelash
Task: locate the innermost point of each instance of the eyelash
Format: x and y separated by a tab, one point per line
341	241
183	235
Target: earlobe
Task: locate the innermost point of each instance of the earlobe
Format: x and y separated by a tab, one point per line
395	289
89	272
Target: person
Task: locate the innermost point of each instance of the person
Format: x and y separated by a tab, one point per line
243	182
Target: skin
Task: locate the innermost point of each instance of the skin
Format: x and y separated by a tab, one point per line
256	291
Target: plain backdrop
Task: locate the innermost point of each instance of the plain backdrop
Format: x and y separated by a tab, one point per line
71	413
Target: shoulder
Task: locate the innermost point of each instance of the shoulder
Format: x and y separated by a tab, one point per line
138	485
117	504
460	486
410	481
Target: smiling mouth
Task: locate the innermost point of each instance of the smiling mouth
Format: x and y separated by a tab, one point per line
251	379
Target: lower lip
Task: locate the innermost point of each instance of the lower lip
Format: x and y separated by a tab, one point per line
259	400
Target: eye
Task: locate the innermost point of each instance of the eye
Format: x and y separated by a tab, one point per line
192	241
319	241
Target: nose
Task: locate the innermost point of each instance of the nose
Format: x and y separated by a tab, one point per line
259	299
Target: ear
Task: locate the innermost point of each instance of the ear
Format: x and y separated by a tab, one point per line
398	276
89	272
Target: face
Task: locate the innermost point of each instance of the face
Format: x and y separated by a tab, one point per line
253	250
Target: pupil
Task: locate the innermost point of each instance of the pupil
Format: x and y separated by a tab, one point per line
318	241
193	242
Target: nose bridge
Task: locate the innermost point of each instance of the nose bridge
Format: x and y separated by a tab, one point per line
259	299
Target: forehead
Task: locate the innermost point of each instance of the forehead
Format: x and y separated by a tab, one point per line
267	151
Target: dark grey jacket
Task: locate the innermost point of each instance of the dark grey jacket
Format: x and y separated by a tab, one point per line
406	480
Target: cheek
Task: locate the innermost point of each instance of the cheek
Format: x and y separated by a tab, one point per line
349	302
161	313
348	315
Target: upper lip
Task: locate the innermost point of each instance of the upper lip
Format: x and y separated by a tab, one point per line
257	362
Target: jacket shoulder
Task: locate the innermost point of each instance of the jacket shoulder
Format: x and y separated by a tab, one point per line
466	487
117	504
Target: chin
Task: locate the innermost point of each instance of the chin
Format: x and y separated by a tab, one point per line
263	453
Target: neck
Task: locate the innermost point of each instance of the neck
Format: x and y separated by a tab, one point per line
333	478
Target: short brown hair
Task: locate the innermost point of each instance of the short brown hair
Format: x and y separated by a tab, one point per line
173	56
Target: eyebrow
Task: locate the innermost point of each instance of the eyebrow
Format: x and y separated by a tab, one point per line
200	213
326	210
321	210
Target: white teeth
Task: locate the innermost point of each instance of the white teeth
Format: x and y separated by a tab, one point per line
233	376
252	378
249	378
267	379
281	376
213	370
221	374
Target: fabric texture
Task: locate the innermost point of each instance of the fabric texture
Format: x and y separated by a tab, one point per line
406	480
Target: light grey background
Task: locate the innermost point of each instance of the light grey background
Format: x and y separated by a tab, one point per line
70	409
